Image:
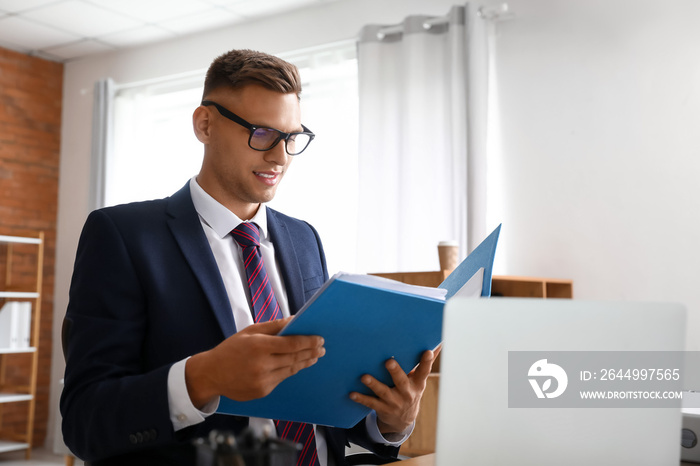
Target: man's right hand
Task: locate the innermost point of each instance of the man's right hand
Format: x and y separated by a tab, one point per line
250	363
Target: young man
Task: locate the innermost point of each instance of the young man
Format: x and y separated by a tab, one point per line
162	321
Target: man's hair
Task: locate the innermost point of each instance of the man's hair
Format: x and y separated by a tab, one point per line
239	68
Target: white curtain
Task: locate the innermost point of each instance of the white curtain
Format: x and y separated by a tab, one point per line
102	113
413	141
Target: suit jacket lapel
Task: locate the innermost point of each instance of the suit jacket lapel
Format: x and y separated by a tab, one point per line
287	261
187	230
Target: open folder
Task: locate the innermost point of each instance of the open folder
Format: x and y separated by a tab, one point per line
365	320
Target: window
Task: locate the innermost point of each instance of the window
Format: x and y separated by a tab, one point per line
322	184
155	151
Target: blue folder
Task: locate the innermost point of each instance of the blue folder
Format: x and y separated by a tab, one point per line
364	324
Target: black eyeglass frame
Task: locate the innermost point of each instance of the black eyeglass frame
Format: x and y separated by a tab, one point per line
226	113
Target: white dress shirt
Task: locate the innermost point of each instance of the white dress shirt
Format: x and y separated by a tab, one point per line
218	222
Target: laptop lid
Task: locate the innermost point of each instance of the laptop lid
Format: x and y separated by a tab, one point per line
476	426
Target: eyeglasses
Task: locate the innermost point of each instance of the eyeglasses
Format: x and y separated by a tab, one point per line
263	138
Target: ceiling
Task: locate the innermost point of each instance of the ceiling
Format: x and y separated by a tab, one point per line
63	30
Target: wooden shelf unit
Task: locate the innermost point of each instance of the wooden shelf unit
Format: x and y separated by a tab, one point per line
531	287
422	440
21	255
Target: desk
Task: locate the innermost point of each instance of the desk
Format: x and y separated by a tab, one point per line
429	460
425	460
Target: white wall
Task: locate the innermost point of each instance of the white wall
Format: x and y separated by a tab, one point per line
332	22
599	105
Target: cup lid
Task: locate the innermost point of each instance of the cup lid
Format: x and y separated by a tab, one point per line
449	243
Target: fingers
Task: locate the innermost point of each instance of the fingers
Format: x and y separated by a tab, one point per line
249	364
280	357
291	359
288	365
267	338
366	400
383	393
294	346
398	376
277	367
397	407
403	382
426	365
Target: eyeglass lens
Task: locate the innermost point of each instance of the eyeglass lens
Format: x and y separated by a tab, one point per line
266	138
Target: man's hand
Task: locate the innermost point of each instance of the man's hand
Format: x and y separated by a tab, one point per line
397	407
250	363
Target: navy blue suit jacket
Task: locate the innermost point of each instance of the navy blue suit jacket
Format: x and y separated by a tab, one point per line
146	292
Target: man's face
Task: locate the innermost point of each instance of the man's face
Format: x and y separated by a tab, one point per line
237	176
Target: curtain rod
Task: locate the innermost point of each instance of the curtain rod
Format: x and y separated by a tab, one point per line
496	13
398	28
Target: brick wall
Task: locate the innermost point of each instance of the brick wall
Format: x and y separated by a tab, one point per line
30	129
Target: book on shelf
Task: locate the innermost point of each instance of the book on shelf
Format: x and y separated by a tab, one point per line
365	320
15	324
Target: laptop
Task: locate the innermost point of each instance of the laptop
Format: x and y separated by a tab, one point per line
571	342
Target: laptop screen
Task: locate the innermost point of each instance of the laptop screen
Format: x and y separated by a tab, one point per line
481	337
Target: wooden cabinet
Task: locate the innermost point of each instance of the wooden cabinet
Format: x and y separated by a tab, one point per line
21	266
422	441
531	287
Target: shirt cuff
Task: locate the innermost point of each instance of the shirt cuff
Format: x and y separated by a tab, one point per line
393	439
182	412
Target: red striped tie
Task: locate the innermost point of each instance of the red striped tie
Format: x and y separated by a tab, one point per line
266	308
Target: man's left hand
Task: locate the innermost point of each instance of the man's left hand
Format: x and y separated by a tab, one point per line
397	407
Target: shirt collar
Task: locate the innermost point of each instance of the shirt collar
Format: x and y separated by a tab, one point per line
218	217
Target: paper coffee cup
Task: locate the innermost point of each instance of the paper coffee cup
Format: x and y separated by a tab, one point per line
448	252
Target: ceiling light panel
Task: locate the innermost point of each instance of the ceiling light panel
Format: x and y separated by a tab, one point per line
34	36
79	49
16	6
155	11
82	18
140	35
213	19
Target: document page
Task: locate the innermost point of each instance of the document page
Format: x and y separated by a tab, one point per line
473	287
393	285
